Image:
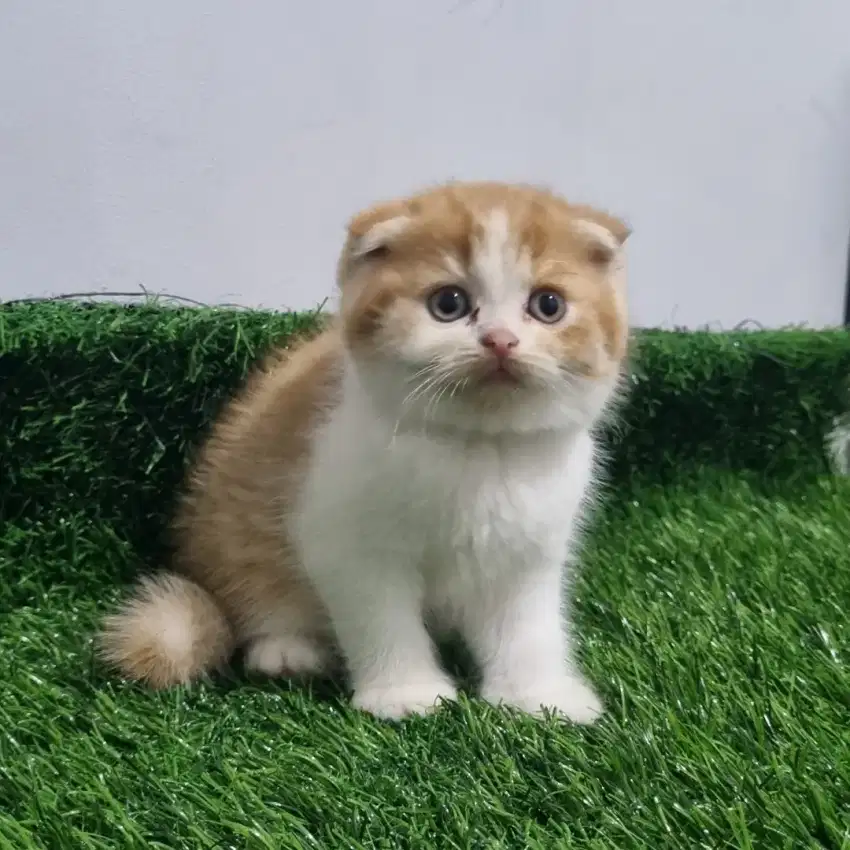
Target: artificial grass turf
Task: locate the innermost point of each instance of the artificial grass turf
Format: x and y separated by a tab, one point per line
712	609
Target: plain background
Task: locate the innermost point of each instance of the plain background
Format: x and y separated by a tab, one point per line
215	149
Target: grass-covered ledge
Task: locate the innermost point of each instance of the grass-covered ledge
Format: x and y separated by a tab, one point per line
712	601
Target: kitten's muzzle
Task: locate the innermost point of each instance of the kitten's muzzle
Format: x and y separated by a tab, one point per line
499	362
500	341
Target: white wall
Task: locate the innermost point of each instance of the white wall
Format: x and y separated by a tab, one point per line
214	149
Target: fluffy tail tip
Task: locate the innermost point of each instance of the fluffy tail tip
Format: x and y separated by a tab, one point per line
168	633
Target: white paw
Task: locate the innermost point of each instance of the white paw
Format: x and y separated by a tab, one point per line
569	696
395	701
285	655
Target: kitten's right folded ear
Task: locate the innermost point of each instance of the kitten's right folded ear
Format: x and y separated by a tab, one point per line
371	232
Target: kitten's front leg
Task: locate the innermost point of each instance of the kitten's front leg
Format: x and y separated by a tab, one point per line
521	640
374	597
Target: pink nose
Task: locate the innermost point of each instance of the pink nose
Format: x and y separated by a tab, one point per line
500	341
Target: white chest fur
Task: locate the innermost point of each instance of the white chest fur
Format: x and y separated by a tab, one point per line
461	512
396	527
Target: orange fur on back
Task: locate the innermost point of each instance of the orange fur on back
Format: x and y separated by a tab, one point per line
245	585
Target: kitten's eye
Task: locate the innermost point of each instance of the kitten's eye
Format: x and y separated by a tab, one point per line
547	306
449	303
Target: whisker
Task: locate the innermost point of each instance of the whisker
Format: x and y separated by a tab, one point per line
438	393
460	384
421	388
430	367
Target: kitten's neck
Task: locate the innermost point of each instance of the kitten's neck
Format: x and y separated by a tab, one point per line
471	437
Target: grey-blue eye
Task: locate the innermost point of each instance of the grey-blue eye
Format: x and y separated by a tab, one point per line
547	306
449	303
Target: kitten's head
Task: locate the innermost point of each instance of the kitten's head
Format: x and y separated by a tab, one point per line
486	306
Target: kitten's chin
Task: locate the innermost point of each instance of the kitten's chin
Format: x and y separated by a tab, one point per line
496	376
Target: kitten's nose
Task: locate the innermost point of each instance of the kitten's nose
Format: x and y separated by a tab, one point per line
500	341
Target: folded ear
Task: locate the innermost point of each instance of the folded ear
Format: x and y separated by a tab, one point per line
372	231
604	237
604	234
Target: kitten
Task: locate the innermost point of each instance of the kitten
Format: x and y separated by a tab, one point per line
426	458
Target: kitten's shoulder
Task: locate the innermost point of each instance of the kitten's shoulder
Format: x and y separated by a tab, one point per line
306	369
273	414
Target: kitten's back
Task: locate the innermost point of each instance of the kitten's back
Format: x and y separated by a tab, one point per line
237	579
230	524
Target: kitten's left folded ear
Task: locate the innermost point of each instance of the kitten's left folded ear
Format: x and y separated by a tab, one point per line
615	226
605	235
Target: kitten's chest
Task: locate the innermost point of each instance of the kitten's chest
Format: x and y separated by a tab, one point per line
488	506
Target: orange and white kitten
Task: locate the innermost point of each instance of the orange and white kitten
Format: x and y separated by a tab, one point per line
425	459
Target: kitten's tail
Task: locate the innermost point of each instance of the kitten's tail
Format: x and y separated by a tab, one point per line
169	632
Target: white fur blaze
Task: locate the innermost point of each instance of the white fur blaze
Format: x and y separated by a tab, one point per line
169	632
497	260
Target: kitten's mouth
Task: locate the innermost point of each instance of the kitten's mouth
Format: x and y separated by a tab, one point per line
500	373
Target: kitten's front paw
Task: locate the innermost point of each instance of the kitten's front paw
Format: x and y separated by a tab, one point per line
570	697
395	701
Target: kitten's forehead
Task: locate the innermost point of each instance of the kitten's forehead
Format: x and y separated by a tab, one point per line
498	259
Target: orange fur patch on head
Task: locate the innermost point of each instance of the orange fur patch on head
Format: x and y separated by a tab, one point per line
504	241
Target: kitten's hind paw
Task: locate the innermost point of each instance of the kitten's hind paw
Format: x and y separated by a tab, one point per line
286	655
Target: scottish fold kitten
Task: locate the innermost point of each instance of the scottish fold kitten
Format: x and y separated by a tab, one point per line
427	458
